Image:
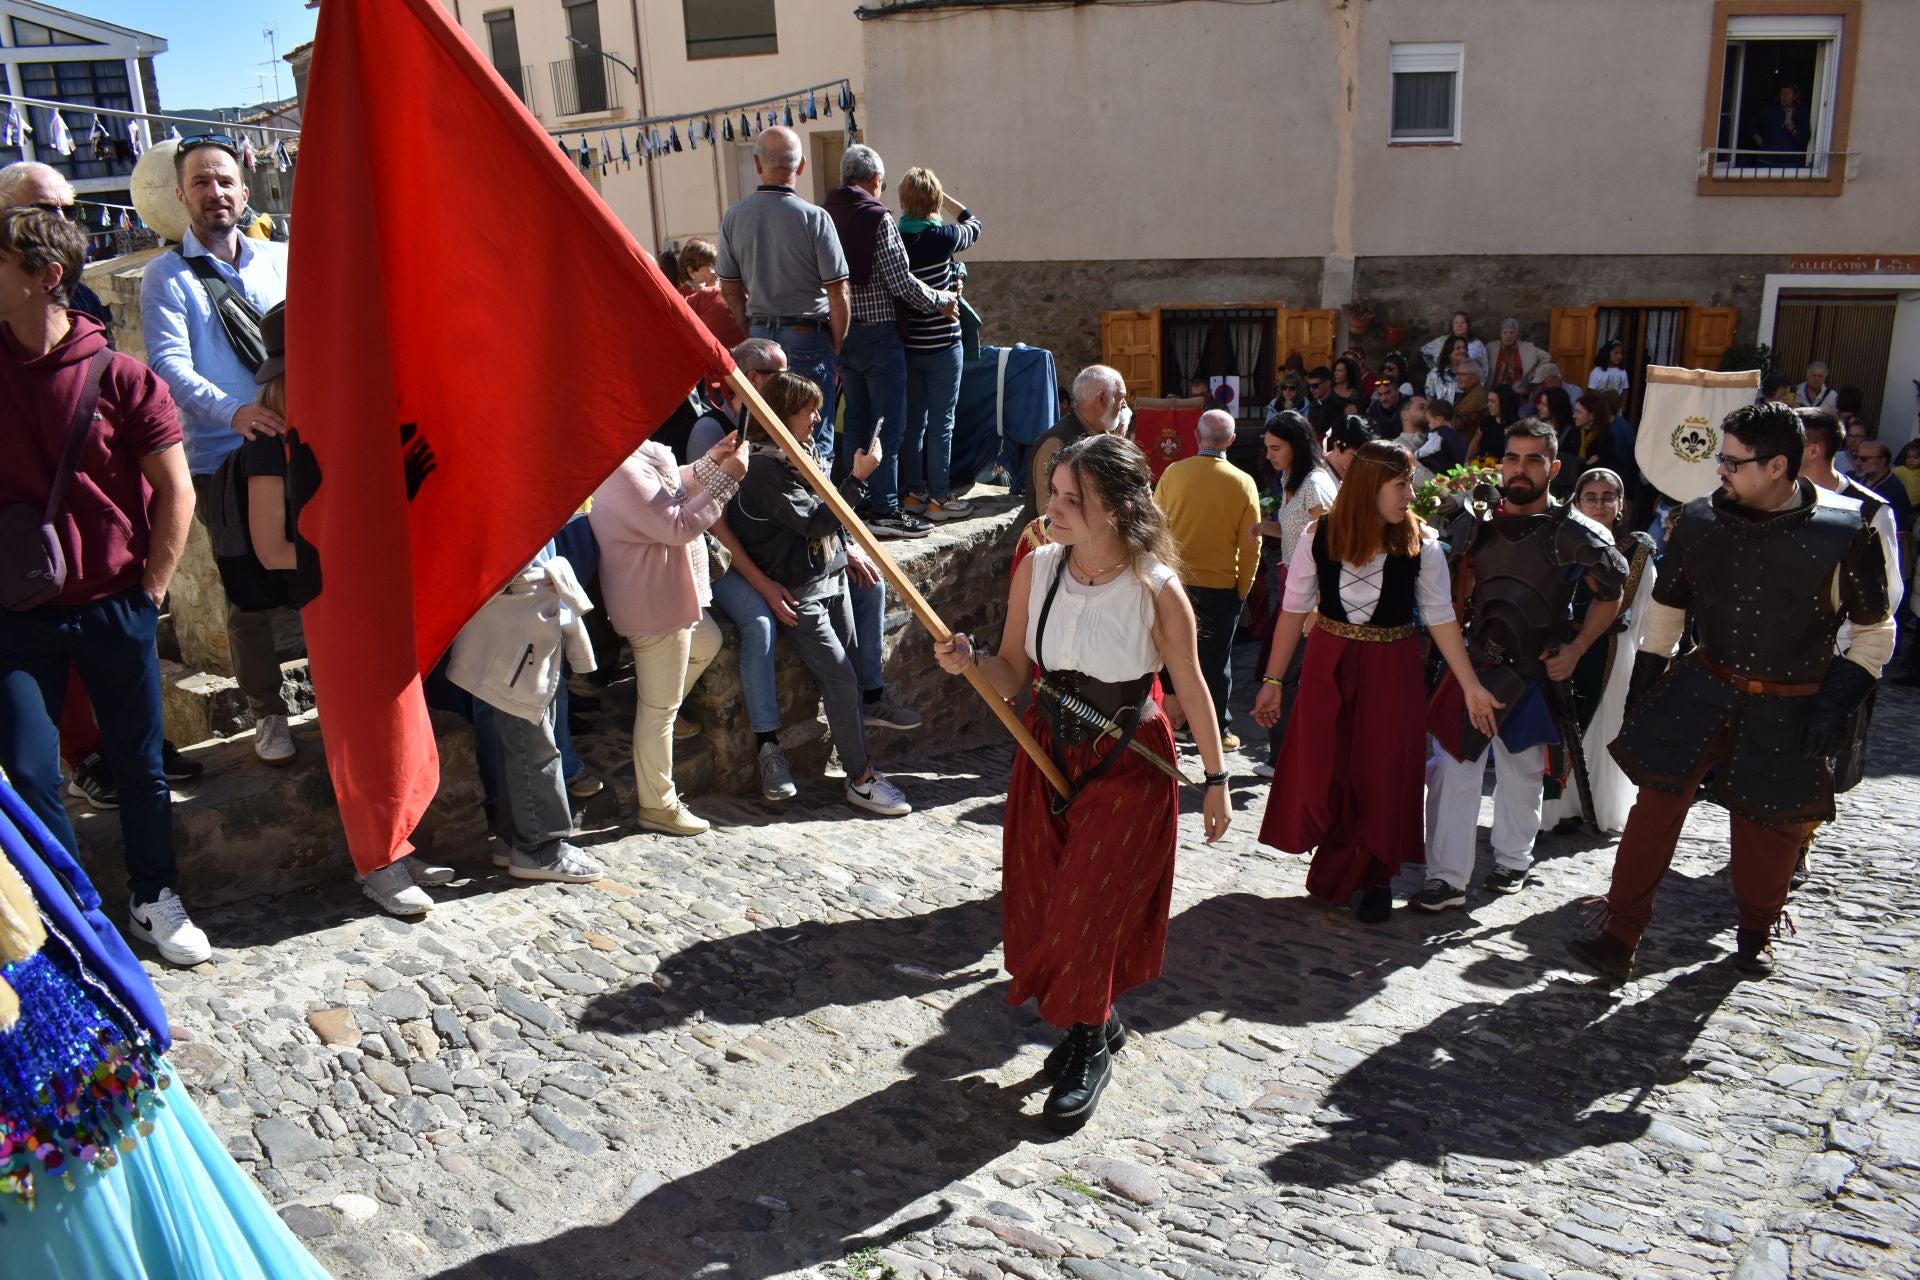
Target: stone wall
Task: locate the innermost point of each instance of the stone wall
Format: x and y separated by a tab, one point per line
961	569
1057	305
1423	293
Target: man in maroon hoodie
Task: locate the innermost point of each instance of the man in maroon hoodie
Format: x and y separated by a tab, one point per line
121	527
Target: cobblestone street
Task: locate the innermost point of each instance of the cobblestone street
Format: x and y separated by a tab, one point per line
781	1049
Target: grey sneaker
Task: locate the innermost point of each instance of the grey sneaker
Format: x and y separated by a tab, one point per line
877	795
568	865
427	873
1438	895
888	714
1501	880
941	510
392	887
776	774
585	785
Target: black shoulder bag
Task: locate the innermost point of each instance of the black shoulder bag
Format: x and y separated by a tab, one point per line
33	568
238	319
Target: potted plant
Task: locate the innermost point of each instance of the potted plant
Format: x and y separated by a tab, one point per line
1359	317
1396	337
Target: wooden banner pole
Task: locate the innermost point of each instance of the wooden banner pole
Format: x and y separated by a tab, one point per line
817	481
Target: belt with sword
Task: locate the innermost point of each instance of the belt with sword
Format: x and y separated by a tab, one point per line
1085	712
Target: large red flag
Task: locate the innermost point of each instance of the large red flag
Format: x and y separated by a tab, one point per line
474	343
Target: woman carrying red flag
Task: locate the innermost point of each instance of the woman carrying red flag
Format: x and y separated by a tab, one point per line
1086	885
1349	778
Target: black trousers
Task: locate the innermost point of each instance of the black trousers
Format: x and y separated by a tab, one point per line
1217	611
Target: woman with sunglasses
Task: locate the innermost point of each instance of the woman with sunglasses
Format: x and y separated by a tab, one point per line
1600	677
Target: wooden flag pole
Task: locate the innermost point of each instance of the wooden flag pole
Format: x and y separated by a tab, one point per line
803	457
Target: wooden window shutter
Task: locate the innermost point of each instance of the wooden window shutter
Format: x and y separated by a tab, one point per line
1571	339
1310	332
1130	343
1709	334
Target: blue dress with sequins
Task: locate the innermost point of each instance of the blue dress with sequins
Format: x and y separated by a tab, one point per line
107	1169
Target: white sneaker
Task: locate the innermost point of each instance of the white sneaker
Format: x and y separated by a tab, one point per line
273	741
428	873
164	926
568	865
1263	770
877	795
393	888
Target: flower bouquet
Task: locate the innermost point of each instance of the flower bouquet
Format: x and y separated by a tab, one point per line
1450	488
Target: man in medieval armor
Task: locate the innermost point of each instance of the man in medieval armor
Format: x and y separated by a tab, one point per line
1519	561
1768	569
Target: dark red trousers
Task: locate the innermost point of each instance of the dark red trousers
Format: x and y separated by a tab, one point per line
1761	864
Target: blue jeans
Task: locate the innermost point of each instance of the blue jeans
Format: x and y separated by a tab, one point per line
533	814
734	596
581	549
110	643
823	637
811	355
933	392
874	365
869	607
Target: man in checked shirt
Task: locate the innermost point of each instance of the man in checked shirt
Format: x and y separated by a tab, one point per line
873	360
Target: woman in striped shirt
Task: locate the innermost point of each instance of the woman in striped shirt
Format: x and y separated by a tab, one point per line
933	345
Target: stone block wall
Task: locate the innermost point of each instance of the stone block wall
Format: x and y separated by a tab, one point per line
1057	305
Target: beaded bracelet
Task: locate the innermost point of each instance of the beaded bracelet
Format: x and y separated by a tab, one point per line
1213	780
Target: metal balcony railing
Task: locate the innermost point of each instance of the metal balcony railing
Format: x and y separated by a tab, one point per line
1740	163
584	85
520	80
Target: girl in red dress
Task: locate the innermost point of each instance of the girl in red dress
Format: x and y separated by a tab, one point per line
1349	778
1086	886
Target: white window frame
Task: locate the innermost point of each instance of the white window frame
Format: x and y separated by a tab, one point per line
1448	56
1828	30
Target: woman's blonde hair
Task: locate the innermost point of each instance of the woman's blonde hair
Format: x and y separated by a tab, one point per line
273	395
920	193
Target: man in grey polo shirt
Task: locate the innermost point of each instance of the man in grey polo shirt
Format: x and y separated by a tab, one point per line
783	274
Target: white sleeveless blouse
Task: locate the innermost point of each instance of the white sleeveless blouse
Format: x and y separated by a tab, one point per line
1106	631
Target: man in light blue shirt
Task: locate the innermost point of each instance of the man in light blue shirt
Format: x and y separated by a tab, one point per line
212	383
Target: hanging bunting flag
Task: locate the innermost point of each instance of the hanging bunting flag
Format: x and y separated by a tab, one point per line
726	128
174	133
585	158
826	108
813	108
786	115
59	137
759	124
249	158
846	96
746	126
126	221
16	128
106	218
606	155
853	127
673	137
135	138
563	145
626	156
282	160
693	136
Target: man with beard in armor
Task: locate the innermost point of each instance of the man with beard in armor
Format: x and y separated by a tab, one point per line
1769	568
1522	559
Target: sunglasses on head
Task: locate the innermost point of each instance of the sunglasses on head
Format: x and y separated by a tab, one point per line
225	141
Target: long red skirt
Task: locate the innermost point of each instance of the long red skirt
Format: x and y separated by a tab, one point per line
1349	779
1084	897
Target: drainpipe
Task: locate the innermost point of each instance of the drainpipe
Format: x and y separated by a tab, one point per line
656	204
1336	272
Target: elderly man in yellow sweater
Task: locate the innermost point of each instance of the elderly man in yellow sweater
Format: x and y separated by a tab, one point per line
1211	508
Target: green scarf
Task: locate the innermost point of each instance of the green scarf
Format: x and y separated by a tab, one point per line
910	225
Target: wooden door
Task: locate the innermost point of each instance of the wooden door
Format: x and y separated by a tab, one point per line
1130	343
1709	334
1574	333
1308	331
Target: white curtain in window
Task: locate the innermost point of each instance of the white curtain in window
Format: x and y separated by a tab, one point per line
1246	335
1188	339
